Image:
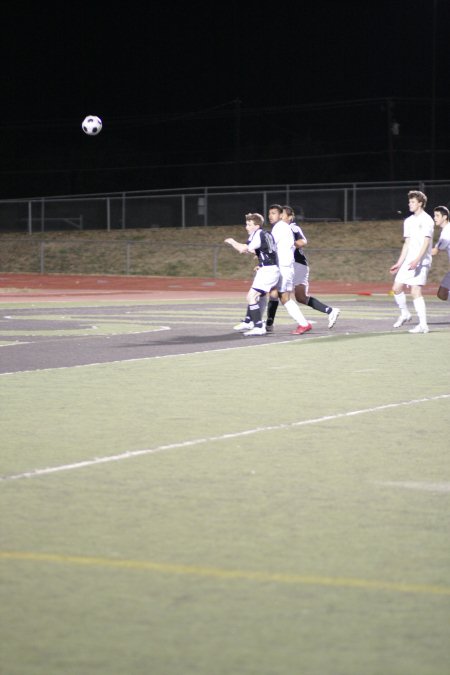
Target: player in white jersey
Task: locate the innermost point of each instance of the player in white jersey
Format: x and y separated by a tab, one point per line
261	244
301	271
441	216
413	264
284	241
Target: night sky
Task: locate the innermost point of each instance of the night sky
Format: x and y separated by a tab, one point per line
226	93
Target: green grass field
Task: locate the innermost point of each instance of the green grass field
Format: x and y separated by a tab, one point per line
280	509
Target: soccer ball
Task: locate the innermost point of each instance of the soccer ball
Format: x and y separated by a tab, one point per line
92	125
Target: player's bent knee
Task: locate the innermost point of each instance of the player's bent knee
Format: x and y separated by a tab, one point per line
253	297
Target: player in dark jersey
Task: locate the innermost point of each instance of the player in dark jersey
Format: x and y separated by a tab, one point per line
260	243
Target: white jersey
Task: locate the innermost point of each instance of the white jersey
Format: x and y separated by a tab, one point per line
284	241
416	228
444	240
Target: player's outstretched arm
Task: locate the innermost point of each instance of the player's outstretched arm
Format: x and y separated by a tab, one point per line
242	248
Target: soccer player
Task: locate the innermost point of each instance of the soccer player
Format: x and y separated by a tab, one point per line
441	216
284	241
261	244
413	264
301	271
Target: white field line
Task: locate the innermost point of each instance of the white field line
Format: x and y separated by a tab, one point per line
212	439
416	485
166	356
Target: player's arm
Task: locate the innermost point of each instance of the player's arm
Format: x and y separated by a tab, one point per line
241	248
441	245
300	242
299	238
401	258
423	249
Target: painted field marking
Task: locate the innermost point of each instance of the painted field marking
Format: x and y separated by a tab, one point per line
227	574
416	485
247	345
212	439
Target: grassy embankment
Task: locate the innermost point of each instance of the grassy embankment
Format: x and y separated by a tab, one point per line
354	251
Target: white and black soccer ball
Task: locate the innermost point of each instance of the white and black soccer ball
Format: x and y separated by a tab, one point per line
92	125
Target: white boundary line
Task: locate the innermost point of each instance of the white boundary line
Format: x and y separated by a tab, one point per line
172	356
415	485
212	439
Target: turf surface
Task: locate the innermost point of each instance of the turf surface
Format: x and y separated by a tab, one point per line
208	505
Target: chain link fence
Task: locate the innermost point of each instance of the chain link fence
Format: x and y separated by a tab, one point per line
211	207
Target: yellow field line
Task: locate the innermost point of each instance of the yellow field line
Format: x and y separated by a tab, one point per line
219	573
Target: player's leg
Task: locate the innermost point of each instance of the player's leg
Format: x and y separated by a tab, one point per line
442	293
443	290
400	299
272	307
332	312
419	306
254	308
246	322
285	288
264	281
263	303
301	289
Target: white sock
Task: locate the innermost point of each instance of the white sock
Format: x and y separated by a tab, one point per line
400	299
419	306
294	311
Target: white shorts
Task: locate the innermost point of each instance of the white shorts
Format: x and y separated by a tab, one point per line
266	278
445	283
286	280
417	277
301	275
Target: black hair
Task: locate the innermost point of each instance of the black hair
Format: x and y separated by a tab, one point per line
442	209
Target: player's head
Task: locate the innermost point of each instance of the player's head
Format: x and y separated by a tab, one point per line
275	211
288	214
254	221
419	196
441	215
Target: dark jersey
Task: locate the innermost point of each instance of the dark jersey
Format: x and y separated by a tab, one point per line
299	256
262	244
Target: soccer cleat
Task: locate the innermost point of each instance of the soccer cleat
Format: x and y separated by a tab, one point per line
244	325
269	327
257	330
333	316
403	318
301	329
419	329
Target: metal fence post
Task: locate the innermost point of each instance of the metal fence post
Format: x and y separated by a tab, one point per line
205	214
215	261
127	258
123	210
183	211
30	218
345	205
42	256
108	214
